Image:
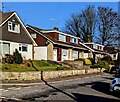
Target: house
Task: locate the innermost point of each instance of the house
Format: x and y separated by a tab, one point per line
98	49
56	45
14	35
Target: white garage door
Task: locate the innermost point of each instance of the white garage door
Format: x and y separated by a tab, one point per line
40	53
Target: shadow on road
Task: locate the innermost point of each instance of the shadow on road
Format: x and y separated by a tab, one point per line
104	88
78	97
90	98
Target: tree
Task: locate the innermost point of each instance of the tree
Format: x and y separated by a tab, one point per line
82	24
107	25
18	57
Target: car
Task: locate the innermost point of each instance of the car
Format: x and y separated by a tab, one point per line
115	84
114	69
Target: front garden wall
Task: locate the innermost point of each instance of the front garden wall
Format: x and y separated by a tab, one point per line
45	74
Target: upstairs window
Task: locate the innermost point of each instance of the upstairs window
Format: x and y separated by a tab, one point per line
101	48
34	36
62	37
74	40
23	47
95	47
13	27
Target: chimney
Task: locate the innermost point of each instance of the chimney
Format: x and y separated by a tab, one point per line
55	28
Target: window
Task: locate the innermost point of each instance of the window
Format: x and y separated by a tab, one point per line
34	36
23	47
62	38
94	46
101	48
13	27
73	40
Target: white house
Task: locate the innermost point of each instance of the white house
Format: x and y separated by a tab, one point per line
14	35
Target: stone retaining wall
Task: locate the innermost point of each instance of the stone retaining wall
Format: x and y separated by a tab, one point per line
45	74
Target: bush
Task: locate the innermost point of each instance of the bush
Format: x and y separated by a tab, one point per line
92	60
104	64
8	59
95	66
87	62
18	57
107	58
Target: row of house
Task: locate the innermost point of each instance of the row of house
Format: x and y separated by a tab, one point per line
37	44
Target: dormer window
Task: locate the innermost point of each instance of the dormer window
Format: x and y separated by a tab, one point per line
73	40
13	27
62	37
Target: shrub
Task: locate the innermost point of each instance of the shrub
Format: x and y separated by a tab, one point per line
107	58
87	62
18	57
104	64
95	66
8	59
92	60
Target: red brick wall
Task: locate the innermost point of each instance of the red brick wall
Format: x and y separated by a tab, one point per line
68	39
59	50
40	40
53	35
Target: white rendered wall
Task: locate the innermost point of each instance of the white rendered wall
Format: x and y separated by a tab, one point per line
14	45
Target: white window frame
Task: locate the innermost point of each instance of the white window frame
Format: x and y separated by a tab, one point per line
34	35
72	40
95	46
21	47
62	37
11	24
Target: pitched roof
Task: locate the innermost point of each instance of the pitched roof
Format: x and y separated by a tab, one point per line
4	16
38	30
9	36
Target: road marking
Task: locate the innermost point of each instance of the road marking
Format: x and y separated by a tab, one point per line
16	88
11	88
1	89
4	90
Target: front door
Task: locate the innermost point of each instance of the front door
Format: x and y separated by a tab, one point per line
55	54
64	54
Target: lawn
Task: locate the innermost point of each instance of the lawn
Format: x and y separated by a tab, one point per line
36	65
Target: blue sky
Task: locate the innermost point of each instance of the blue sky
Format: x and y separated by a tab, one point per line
47	15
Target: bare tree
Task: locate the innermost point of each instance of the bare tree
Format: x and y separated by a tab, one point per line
107	25
82	24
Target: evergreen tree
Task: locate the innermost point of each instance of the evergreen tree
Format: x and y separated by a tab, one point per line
18	57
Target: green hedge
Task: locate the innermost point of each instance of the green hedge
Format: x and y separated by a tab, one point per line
95	66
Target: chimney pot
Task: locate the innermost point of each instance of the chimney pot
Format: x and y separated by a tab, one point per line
55	28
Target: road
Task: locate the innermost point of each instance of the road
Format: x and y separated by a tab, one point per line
87	89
